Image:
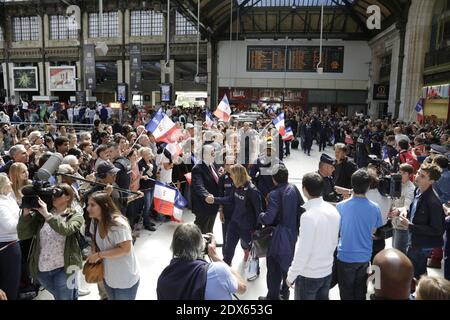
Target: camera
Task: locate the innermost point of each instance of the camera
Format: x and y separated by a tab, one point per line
390	184
207	239
39	189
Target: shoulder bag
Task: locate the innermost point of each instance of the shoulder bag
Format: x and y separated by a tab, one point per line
93	272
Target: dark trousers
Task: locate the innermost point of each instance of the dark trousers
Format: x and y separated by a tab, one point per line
134	210
418	257
352	279
225	225
377	246
275	277
312	289
10	269
322	144
234	233
287	146
205	222
447	250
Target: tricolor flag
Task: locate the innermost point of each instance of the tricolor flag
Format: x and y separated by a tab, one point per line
209	119
419	111
279	124
163	129
223	111
168	201
289	135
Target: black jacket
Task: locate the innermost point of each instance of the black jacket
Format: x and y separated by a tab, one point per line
427	226
343	173
203	184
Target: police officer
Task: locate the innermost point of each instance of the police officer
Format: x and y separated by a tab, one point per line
326	169
247	203
262	179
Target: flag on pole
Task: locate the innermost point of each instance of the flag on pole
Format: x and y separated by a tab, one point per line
209	119
163	128
279	124
419	111
289	135
223	111
168	201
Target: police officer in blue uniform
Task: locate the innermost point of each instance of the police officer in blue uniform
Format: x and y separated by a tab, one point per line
226	189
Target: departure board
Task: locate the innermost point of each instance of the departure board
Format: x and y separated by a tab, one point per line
299	59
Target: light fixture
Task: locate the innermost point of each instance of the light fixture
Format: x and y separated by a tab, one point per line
294	5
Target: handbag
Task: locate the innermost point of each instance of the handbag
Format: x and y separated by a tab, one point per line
261	241
93	272
252	271
386	231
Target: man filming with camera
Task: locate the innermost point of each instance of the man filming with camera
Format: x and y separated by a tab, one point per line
190	277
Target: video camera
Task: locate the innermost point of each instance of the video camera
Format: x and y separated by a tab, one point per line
390	184
41	188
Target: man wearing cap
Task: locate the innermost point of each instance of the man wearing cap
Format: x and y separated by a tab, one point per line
326	169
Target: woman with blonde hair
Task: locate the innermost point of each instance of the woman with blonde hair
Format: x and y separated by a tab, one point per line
18	174
247	202
10	253
114	246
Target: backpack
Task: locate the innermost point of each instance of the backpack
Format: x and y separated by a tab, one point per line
407	157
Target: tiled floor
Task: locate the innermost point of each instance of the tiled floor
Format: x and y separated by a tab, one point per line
153	248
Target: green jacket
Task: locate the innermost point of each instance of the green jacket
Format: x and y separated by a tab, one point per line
30	227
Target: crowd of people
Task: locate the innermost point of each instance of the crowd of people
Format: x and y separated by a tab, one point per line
103	191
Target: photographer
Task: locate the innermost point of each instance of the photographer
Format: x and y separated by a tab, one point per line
56	246
384	203
401	207
189	277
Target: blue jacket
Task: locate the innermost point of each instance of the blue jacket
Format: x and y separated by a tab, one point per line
203	184
247	205
264	183
442	186
284	237
226	188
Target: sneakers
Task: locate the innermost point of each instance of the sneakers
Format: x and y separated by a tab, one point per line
83	292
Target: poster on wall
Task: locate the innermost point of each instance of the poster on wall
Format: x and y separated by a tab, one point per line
25	79
62	78
166	92
136	67
122	92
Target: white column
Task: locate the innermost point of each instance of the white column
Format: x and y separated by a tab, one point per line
43	73
120	78
78	76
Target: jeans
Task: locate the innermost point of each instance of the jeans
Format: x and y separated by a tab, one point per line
275	277
400	240
56	282
312	289
148	198
419	257
352	280
121	294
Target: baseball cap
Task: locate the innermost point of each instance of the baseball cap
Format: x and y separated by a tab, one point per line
105	168
435	148
189	126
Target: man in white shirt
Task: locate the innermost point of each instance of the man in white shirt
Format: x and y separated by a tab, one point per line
312	265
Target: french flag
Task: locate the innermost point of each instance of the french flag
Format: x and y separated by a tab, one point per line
168	201
209	119
163	129
289	135
279	124
419	111
223	111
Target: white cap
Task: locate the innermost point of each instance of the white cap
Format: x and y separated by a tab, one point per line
189	126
